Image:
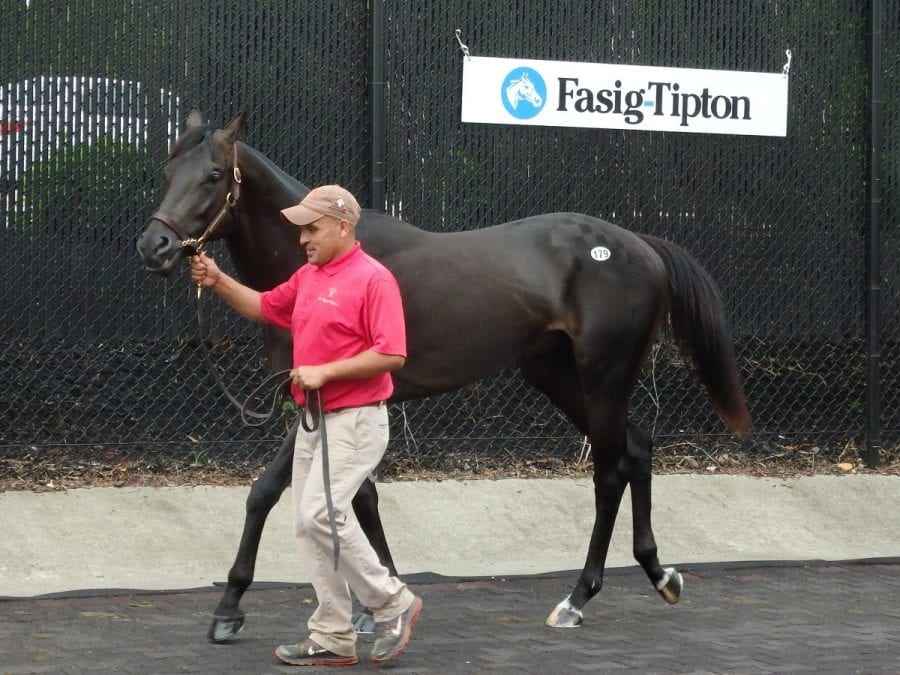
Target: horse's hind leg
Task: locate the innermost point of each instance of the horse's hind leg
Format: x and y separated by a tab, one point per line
607	422
228	618
554	373
636	466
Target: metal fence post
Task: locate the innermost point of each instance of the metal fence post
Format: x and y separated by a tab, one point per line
376	106
873	248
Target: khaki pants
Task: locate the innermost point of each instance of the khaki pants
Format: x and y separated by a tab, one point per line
357	439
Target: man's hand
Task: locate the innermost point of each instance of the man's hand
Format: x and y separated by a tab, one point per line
365	364
309	377
204	270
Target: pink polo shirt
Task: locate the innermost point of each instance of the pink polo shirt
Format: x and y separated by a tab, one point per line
336	311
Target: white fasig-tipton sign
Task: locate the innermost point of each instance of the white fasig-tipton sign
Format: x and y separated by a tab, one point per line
574	94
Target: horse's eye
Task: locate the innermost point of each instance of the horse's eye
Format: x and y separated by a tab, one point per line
215	176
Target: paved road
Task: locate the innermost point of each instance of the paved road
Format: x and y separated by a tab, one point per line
839	617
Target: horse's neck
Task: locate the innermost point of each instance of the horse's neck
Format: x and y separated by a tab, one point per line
382	235
265	250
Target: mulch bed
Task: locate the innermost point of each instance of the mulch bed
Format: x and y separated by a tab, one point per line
760	460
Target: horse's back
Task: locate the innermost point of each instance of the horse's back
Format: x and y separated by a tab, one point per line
572	235
584	246
478	300
539	259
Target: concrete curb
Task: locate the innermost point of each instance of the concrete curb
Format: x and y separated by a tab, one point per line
183	538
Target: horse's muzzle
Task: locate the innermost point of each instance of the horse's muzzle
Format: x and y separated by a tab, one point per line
159	247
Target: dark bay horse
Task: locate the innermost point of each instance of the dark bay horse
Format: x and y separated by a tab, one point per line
572	301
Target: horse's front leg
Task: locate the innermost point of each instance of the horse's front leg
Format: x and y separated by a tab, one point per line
636	465
365	506
607	441
228	618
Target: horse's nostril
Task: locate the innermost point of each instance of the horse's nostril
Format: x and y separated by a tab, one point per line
154	246
163	244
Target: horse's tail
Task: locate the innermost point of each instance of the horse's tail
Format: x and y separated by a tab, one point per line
698	323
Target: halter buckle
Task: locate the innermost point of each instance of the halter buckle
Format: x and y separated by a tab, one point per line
192	245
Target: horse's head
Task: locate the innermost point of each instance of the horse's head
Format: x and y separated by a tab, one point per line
522	88
200	181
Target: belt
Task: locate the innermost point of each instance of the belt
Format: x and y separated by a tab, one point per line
374	404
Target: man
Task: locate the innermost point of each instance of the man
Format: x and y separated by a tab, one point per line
346	320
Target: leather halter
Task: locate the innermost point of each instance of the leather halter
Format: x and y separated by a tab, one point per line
194	245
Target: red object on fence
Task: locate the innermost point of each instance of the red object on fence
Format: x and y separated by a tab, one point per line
12	126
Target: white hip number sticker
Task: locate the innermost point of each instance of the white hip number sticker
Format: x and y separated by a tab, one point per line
600	253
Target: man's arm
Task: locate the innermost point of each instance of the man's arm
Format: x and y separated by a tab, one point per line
243	298
365	364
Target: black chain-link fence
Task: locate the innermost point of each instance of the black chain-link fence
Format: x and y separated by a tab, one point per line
100	362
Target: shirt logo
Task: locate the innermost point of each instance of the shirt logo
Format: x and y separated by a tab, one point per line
329	300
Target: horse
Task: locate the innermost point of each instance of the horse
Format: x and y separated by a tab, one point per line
522	88
572	301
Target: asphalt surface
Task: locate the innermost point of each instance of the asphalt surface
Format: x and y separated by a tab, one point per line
836	617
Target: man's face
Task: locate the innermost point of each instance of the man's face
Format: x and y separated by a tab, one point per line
324	239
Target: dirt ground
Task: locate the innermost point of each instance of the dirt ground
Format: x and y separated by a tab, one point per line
759	459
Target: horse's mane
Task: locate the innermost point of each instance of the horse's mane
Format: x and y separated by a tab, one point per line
191	138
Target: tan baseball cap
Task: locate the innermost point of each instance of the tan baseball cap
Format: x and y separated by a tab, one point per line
326	200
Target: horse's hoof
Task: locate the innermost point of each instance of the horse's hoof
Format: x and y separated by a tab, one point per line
669	587
565	616
225	628
364	623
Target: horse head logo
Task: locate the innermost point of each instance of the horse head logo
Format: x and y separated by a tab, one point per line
524	86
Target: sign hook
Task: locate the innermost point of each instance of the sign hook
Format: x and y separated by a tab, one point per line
463	47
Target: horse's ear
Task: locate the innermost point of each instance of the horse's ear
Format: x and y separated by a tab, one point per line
234	128
195	119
